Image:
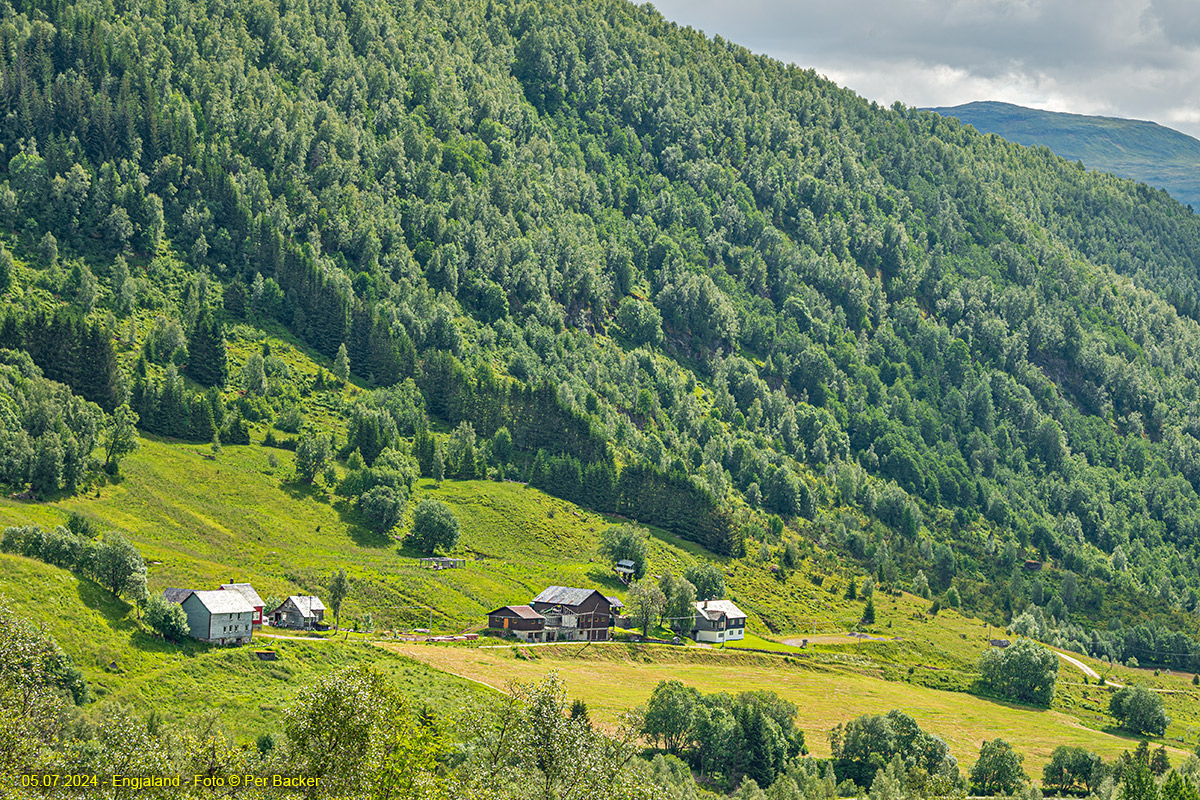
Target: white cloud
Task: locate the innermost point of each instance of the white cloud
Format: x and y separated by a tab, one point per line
1138	59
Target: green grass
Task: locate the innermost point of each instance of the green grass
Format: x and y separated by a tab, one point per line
125	664
201	521
1089	702
826	690
751	641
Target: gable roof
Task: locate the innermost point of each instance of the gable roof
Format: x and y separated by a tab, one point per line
615	602
220	602
173	595
247	591
307	605
565	595
524	612
713	610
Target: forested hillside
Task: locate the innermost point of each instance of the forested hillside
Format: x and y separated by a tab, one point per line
1136	149
647	271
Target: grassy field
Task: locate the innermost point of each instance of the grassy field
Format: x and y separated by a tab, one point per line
614	678
1089	702
201	520
124	664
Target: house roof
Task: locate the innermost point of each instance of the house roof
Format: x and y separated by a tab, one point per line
247	591
714	609
173	595
625	564
220	602
564	595
307	605
524	612
615	602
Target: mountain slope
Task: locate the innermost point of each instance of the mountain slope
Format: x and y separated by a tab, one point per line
1135	149
649	272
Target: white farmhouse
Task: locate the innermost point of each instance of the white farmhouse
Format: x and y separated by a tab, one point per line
218	617
718	621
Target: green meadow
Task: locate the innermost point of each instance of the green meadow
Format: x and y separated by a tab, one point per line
202	518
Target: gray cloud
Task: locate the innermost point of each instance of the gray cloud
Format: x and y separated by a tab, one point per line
1138	59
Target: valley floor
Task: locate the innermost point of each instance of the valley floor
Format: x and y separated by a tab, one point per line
615	677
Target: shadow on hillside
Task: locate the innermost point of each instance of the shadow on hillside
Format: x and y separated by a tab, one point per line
604	578
405	548
365	537
153	643
360	533
114	610
298	490
1133	738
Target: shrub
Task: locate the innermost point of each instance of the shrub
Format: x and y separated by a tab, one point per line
708	580
998	770
167	619
290	420
382	507
626	542
1073	768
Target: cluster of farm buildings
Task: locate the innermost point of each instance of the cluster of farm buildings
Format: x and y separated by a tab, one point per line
231	614
566	614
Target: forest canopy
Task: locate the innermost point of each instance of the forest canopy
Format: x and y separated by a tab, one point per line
692	285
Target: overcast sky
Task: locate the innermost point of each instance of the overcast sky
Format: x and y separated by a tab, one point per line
1123	58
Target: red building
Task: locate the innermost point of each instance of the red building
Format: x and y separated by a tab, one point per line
247	591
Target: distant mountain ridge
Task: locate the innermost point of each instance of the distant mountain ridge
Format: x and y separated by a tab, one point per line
1135	149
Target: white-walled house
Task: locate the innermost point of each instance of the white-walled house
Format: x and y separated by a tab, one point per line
218	616
718	621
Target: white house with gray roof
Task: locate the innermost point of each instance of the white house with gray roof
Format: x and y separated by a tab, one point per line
217	616
718	621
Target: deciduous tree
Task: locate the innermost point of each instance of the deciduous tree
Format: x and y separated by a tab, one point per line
1139	710
338	589
434	527
119	437
1025	671
998	769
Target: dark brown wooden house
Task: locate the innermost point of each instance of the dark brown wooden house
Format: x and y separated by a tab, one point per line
521	621
575	615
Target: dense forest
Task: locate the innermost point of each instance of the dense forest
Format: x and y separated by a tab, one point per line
645	270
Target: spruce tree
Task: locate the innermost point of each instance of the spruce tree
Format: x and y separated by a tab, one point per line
208	363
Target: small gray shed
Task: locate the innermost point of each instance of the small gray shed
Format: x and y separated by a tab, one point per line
304	612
